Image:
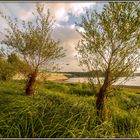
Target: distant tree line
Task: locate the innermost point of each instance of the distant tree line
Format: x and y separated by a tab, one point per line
80	74
87	74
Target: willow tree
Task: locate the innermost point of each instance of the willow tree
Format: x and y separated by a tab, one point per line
110	43
32	40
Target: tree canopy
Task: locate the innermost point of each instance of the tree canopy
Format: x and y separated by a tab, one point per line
32	39
111	40
33	43
110	43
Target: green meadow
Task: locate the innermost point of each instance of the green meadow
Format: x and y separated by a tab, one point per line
62	110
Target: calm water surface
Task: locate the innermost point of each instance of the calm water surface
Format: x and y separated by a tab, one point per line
134	81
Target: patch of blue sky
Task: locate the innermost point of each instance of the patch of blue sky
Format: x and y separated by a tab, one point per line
71	21
77	19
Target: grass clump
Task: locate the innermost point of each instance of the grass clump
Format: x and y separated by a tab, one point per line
65	111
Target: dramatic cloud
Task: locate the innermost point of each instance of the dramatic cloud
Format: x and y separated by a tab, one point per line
66	14
61	11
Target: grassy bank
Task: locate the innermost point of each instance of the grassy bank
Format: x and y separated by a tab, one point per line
66	110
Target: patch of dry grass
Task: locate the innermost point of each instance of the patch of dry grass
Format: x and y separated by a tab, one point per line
44	76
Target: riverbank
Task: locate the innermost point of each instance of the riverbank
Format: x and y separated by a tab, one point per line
61	78
130	87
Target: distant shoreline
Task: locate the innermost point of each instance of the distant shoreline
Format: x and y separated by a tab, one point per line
127	86
122	86
64	79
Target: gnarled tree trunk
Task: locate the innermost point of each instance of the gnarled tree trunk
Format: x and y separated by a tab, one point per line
30	86
100	103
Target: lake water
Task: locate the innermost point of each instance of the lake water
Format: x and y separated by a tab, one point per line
134	81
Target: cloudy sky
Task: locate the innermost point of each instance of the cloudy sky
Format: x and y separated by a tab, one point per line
65	14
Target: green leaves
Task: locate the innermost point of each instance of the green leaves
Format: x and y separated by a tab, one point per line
6	70
32	39
110	41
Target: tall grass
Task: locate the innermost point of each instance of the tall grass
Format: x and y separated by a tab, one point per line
65	111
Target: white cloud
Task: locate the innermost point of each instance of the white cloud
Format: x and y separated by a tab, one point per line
67	35
80	29
55	25
61	15
79	8
72	26
61	11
